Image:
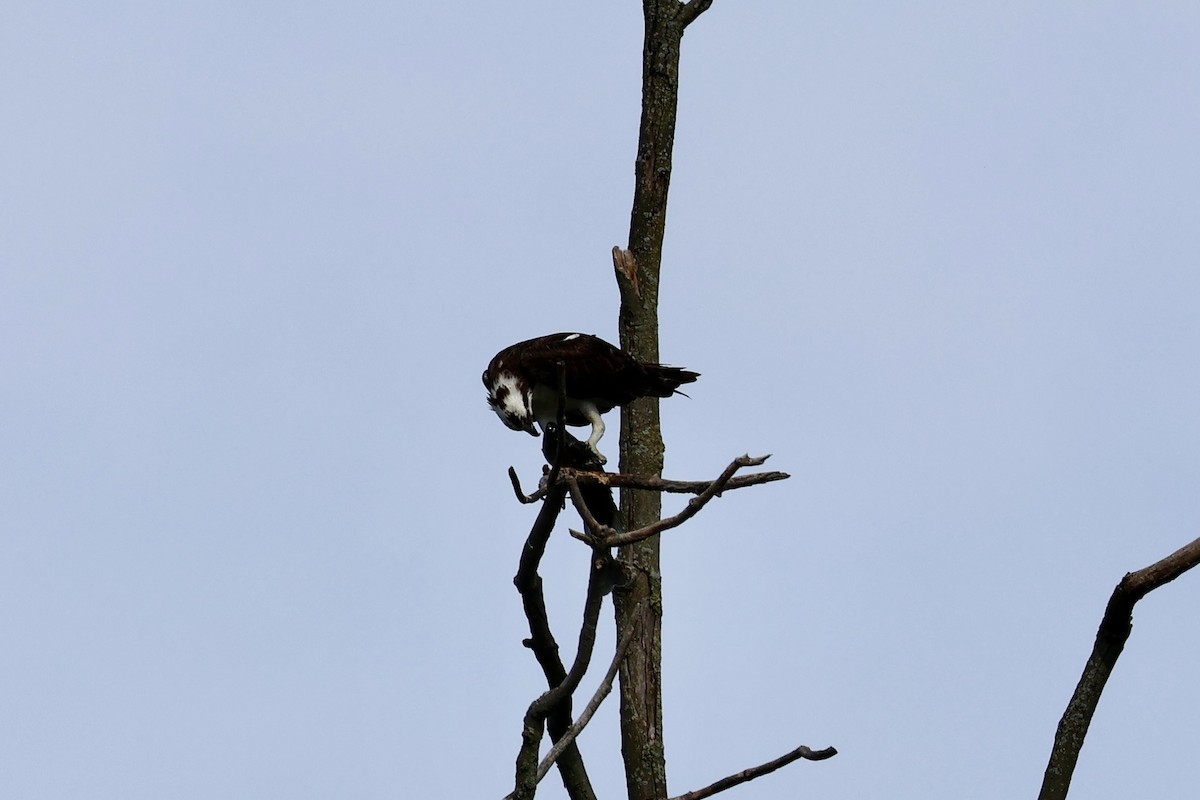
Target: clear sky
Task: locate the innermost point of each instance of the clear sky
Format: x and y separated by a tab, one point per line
256	537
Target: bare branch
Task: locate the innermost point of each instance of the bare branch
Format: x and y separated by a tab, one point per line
521	496
553	708
558	696
1141	583
602	691
1115	627
755	772
543	645
620	480
691	10
554	716
690	510
600	536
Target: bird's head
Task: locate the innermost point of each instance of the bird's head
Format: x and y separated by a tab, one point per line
512	402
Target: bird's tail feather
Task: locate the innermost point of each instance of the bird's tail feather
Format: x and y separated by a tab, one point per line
664	381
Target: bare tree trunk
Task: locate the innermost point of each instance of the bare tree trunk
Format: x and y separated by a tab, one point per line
641	433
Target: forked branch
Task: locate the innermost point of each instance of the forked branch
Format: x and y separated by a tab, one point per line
609	538
621	480
585	716
535	717
568	738
557	717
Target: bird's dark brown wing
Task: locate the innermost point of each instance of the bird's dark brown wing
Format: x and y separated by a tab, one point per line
595	368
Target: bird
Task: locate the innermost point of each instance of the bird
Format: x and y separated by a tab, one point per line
522	382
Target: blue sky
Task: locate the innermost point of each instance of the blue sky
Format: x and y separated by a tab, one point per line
256	538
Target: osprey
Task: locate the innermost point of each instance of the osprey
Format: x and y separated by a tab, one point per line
522	382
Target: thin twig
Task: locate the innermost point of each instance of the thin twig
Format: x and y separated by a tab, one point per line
755	772
690	510
1115	627
621	480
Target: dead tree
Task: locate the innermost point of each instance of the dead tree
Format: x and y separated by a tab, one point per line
635	580
635	528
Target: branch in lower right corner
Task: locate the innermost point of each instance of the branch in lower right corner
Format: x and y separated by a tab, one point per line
1114	630
762	769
